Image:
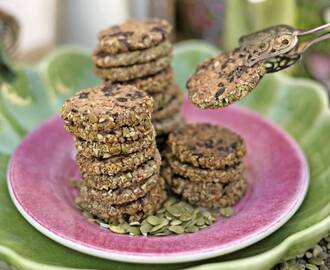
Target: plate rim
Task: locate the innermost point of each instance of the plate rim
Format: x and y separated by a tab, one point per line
179	257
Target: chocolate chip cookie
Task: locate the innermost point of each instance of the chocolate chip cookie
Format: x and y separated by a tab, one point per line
222	80
207	146
134	35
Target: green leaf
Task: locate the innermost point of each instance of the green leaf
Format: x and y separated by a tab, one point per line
299	106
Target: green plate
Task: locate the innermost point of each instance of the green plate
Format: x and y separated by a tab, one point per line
299	106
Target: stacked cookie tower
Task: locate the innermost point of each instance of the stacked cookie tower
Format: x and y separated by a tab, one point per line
139	53
116	152
204	164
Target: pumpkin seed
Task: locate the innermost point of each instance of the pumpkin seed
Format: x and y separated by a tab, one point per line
153	220
176	222
117	229
311	267
133	230
185	216
176	229
145	228
226	212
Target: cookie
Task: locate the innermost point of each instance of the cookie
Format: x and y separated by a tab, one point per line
114	165
206	194
167	125
105	60
125	179
207	146
106	150
120	74
156	83
196	174
134	35
222	80
120	195
128	212
107	107
121	135
172	107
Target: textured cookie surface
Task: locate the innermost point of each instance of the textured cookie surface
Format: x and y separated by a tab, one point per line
167	125
172	106
155	83
128	212
134	35
104	60
207	146
106	150
114	165
107	107
195	174
120	195
206	194
222	80
125	179
120	74
122	134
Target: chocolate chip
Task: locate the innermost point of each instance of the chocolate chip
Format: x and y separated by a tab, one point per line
74	110
121	99
124	42
108	89
83	95
220	91
159	30
115	116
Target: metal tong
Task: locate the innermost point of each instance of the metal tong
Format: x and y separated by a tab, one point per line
279	46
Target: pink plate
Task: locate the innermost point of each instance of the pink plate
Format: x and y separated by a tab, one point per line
39	183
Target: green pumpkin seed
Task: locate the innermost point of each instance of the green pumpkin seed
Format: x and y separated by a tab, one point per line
145	228
311	267
135	223
176	222
185	216
117	229
176	229
133	230
226	212
153	220
191	229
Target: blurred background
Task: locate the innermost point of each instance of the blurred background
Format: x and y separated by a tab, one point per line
31	29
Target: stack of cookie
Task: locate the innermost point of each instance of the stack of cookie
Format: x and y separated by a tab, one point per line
204	164
139	53
116	152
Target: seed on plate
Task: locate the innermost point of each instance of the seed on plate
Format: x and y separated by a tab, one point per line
154	220
227	211
176	229
176	222
145	228
117	229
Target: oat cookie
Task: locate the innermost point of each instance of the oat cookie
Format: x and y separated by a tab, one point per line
195	174
134	35
105	60
207	146
120	74
129	212
125	179
120	195
107	107
167	125
172	107
123	134
106	150
156	83
222	80
206	194
115	165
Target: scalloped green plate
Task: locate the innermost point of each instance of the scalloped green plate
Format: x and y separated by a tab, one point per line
299	106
